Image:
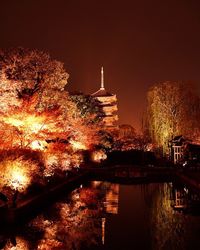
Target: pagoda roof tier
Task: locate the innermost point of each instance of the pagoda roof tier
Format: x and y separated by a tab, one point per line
108	104
101	92
110	120
106	99
110	108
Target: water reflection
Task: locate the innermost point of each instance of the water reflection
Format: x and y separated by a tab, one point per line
76	222
101	215
172	221
184	200
112	199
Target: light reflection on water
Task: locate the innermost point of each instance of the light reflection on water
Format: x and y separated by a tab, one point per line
101	215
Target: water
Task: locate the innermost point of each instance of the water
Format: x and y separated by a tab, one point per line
101	215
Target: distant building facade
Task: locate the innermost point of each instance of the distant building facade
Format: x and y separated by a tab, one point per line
108	103
183	149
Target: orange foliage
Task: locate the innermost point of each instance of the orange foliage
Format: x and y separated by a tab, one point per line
18	168
36	114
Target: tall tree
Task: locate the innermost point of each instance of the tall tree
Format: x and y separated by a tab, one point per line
36	113
172	109
88	106
34	104
24	72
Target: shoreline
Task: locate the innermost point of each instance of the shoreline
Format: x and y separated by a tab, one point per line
122	174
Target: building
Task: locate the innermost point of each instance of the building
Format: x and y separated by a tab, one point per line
177	148
183	150
108	102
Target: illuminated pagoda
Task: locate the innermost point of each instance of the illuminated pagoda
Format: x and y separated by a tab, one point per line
108	102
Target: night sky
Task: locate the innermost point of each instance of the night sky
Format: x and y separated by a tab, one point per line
139	43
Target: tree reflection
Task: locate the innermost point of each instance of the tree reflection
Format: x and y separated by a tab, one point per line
75	223
81	221
172	216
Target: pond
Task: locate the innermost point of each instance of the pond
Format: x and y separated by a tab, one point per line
103	215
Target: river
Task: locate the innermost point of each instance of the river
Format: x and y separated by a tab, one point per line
105	216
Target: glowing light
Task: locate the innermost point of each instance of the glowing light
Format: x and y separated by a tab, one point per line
17	173
38	145
112	199
18	178
96	184
103	221
65	163
98	156
21	244
78	145
26	121
52	160
77	159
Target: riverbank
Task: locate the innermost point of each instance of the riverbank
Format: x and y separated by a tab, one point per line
25	209
123	174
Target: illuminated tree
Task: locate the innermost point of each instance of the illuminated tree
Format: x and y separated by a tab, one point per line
33	69
88	106
33	102
92	114
17	173
24	72
37	114
173	109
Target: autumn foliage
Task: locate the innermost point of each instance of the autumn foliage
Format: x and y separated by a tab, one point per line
36	114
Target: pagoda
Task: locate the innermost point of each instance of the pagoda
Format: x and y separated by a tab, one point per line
108	103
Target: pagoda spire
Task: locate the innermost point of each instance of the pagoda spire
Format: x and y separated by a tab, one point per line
102	79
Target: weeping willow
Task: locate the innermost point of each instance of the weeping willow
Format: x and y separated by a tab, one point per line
172	109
